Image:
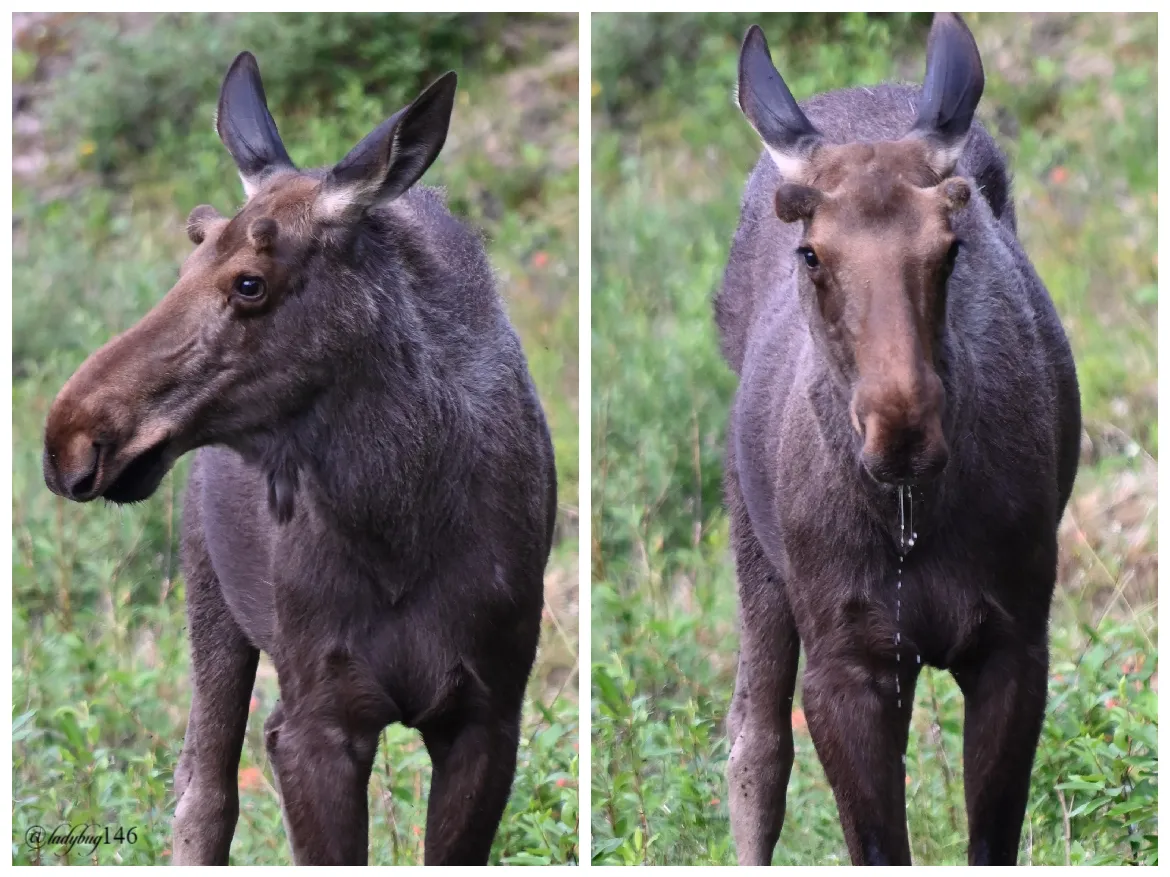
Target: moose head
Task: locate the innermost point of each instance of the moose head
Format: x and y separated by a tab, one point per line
266	304
877	245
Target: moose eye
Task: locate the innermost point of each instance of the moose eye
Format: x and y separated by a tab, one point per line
250	287
810	258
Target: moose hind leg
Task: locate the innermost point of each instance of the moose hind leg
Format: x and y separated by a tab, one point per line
760	725
223	667
473	759
1004	696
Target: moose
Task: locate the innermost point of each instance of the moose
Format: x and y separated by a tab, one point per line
373	493
902	444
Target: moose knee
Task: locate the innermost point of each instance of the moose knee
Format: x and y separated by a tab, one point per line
298	743
760	746
829	685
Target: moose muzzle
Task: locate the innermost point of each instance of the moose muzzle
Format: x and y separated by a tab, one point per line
901	430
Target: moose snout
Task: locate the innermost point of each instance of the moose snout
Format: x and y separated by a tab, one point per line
903	441
907	456
82	440
72	468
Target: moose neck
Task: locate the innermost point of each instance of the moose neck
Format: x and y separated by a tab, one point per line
382	451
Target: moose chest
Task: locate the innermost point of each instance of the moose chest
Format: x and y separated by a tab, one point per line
972	571
311	606
852	591
882	609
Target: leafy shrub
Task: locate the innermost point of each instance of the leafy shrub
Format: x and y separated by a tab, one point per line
1096	776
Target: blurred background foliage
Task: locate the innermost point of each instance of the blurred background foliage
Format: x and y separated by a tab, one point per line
1072	99
113	145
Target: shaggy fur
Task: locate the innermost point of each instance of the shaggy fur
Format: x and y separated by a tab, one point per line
373	494
816	533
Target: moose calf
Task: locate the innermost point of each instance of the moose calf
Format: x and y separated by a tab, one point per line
373	497
902	444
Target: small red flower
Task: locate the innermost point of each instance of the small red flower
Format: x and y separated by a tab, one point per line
799	722
251	778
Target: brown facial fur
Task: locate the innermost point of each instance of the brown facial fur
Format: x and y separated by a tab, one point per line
119	404
878	220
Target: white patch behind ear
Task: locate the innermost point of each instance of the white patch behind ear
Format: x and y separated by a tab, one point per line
943	159
251	186
333	204
791	167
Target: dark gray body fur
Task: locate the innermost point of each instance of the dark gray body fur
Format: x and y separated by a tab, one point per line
815	537
407	583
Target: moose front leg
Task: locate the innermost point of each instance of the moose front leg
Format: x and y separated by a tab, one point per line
860	733
1004	691
223	669
473	759
322	773
760	720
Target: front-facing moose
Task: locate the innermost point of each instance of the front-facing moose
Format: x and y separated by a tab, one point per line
903	442
373	499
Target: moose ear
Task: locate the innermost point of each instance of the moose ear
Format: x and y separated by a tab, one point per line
767	103
392	157
199	220
950	91
246	127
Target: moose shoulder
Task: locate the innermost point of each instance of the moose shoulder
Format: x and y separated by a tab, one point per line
373	494
902	444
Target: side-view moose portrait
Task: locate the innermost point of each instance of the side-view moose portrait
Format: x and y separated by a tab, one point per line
903	441
373	491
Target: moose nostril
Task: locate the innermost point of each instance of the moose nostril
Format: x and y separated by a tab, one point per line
81	483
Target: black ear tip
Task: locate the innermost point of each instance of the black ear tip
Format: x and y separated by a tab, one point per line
950	26
443	88
754	39
245	61
950	19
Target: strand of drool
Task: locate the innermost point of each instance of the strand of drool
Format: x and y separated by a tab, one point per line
905	497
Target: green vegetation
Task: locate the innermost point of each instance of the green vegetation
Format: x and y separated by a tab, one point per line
100	685
1072	100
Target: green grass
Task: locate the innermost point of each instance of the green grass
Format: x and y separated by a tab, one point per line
1070	99
100	663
